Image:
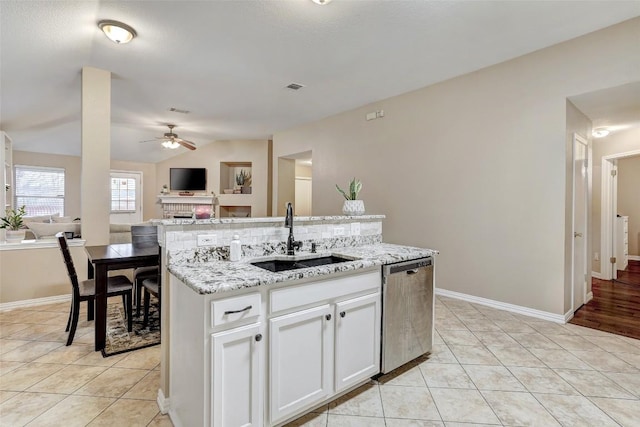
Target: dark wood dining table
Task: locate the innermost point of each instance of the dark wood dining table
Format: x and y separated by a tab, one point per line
119	256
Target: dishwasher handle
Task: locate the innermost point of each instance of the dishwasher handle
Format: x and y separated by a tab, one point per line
411	267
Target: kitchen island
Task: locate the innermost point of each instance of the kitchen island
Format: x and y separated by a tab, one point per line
253	347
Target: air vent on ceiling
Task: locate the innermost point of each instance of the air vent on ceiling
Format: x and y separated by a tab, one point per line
178	110
294	86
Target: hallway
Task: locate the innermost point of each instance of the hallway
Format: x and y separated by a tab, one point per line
615	306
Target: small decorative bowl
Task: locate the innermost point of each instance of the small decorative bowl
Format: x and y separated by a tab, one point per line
228	191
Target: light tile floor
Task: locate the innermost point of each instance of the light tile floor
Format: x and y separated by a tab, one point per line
488	367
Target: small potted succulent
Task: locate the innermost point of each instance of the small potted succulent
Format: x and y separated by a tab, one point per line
13	223
352	206
243	180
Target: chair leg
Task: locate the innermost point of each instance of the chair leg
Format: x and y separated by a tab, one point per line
70	315
147	298
129	312
124	304
138	286
75	310
90	309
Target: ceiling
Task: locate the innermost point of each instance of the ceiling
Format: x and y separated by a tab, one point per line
616	108
228	62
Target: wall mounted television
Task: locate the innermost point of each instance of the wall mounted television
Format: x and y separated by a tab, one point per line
188	179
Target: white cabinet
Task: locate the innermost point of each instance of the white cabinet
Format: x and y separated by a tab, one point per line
318	352
236	360
622	242
301	360
357	340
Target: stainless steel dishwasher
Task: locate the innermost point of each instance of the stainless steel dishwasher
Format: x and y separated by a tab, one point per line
407	312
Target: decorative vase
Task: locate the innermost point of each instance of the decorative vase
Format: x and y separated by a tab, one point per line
15	236
353	207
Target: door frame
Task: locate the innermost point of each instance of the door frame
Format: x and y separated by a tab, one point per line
608	206
139	191
578	139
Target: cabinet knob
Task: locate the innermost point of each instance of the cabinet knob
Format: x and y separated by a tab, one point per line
328	317
259	337
342	314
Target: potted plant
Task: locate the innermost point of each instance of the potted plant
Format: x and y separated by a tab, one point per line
243	179
352	206
12	222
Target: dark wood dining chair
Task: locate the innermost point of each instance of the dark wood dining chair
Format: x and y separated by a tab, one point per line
86	291
151	286
143	235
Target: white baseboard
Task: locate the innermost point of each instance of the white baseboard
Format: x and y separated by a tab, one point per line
163	402
526	311
589	297
596	275
32	302
634	257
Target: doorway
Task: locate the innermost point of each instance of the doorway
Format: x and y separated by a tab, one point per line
579	274
295	177
609	202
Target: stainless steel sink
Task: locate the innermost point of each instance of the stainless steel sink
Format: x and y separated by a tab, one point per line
277	265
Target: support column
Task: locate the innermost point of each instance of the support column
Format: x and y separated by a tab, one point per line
96	155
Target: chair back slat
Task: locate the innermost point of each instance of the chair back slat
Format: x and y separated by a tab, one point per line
144	234
68	261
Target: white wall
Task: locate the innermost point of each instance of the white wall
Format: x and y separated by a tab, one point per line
474	166
629	198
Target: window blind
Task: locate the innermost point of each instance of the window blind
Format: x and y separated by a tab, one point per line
40	190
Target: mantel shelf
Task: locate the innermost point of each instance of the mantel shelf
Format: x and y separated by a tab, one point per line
190	200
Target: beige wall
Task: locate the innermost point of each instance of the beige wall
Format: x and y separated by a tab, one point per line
474	166
20	281
71	165
303	171
629	198
616	143
210	156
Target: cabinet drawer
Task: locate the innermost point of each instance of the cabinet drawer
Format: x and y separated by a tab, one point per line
228	311
324	290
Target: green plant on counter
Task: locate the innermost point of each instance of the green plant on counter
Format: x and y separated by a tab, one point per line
13	220
354	188
243	178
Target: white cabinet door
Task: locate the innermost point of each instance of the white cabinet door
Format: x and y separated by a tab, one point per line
357	352
301	360
236	358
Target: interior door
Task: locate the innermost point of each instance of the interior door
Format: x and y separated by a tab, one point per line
303	197
580	188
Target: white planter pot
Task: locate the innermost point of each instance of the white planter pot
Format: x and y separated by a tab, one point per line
15	236
353	207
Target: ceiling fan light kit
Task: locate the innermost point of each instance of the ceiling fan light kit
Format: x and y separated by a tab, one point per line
172	141
117	32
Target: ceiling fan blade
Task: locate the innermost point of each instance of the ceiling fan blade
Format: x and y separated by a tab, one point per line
148	140
186	144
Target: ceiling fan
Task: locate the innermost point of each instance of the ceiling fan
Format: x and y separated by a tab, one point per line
171	140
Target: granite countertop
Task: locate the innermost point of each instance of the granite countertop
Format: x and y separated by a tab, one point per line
220	276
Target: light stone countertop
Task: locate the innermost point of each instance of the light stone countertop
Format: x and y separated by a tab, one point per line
220	276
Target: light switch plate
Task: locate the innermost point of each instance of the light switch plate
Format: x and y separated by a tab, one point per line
355	229
207	239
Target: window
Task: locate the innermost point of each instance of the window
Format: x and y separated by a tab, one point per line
123	194
40	190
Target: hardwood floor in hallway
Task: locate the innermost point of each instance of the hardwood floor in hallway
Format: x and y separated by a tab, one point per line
615	306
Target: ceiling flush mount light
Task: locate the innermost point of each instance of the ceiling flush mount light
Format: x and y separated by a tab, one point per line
170	144
600	133
321	2
117	31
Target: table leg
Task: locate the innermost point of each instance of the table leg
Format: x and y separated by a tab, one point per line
101	306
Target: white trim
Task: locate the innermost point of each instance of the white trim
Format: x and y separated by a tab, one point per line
31	302
526	311
589	296
39	244
633	257
163	402
596	275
